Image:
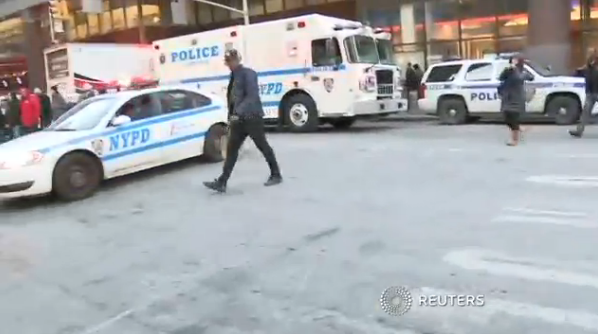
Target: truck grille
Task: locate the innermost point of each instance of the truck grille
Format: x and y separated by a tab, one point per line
385	81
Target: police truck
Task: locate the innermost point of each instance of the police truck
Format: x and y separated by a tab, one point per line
312	69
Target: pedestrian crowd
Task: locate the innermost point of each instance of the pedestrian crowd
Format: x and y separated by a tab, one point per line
28	111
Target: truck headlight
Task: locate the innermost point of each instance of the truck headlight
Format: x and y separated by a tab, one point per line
18	160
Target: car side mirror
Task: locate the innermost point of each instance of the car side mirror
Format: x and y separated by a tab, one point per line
120	120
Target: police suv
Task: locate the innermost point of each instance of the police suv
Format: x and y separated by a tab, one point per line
458	90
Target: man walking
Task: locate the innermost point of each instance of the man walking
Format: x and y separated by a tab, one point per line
245	119
591	80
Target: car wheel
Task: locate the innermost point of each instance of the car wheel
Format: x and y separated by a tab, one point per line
452	111
565	110
76	176
300	114
214	146
342	123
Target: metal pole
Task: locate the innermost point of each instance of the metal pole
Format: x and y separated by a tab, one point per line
245	13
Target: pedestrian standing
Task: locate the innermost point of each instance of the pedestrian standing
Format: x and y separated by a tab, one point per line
46	104
411	85
59	105
13	116
245	119
590	73
31	111
513	97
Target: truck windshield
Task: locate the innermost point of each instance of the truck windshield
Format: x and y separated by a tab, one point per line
84	116
385	50
362	50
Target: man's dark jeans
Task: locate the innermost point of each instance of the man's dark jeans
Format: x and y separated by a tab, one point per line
586	113
238	132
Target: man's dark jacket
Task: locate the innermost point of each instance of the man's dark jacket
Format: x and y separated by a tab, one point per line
13	115
243	94
411	80
591	78
46	108
512	89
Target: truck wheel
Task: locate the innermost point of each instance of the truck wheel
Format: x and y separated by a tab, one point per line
565	109
452	111
214	146
76	176
342	123
300	114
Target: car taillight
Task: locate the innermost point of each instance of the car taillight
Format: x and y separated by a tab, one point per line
422	91
368	83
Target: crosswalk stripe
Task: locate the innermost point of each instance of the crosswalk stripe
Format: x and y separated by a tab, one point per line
546	212
529	269
544	220
495	306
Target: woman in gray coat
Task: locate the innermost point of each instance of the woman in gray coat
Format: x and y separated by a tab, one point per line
513	97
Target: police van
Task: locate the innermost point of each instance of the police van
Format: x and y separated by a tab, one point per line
461	89
312	69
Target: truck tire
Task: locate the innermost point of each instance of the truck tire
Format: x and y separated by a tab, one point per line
342	123
565	110
300	114
214	146
76	176
452	111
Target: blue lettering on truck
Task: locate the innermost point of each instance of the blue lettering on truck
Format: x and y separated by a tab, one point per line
194	54
484	96
129	139
271	88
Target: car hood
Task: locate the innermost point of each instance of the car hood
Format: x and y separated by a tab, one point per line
40	140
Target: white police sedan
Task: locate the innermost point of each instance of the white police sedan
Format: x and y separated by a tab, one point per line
112	135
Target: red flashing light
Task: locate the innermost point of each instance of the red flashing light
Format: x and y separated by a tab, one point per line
301	24
233	34
156	47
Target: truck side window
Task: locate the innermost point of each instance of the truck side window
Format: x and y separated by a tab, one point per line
323	56
479	72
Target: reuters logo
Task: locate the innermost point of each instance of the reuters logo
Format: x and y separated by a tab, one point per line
396	300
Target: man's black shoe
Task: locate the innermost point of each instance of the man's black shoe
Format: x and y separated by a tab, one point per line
575	133
216	185
273	180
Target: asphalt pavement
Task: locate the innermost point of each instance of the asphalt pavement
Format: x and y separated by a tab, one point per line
439	210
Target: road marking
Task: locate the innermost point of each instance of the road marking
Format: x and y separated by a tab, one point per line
530	269
566	181
544	220
547	212
497	307
107	323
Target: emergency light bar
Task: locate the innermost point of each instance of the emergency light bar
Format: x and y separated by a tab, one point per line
338	27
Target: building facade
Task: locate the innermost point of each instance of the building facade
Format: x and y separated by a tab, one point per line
554	32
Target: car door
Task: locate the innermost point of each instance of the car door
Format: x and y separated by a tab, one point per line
482	90
187	123
326	77
135	145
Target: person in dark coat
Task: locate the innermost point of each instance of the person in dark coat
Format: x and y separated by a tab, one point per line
245	119
13	115
590	73
411	85
59	104
46	107
513	97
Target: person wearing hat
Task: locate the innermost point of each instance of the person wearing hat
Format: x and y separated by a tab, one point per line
245	120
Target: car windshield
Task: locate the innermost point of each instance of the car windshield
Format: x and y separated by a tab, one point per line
367	51
541	70
84	116
385	50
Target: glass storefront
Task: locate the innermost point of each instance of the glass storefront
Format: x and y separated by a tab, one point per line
426	32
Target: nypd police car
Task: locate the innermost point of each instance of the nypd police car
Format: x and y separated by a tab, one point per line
112	135
458	90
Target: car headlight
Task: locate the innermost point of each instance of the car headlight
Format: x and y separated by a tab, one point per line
17	160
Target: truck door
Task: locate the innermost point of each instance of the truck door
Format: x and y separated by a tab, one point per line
325	81
480	88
